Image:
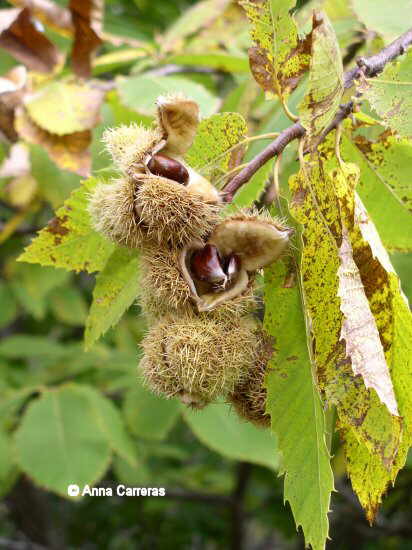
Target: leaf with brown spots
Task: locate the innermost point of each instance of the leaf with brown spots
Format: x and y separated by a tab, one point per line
279	57
21	38
390	95
69	241
323	203
370	479
325	86
86	40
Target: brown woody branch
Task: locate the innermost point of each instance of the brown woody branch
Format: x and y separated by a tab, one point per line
366	66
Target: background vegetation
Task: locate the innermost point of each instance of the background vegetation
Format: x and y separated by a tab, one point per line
220	474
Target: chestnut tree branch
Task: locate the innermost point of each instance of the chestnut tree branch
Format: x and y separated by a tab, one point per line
366	66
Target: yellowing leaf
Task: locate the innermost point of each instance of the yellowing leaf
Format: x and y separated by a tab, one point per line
69	152
61	108
325	86
370	479
383	185
390	94
216	135
279	57
317	206
359	330
69	241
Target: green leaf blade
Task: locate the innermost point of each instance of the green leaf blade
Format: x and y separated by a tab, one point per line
296	410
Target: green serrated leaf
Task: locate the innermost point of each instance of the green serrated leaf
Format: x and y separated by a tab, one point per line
140	93
216	135
115	291
60	442
279	57
295	408
218	427
111	424
390	94
325	86
69	241
148	415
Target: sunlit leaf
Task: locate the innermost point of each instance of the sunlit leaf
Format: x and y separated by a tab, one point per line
216	135
69	152
69	241
279	57
62	108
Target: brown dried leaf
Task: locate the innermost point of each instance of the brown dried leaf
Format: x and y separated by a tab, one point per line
22	39
86	40
12	89
68	152
360	332
49	13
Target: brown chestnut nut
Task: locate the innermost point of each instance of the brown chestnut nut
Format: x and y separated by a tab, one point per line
166	167
206	265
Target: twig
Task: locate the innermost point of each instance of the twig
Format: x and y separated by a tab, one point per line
244	470
369	67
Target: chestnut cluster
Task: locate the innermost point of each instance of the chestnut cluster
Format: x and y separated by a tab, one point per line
197	266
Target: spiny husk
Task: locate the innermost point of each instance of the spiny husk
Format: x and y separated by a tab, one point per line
249	396
178	118
162	287
171	214
196	358
112	209
258	239
130	145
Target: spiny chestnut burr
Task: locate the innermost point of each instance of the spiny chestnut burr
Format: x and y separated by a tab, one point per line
209	266
166	167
